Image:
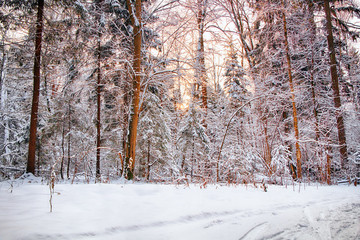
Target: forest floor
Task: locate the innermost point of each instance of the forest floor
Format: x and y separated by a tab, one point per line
154	211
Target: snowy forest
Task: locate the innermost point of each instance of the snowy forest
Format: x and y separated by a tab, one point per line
174	91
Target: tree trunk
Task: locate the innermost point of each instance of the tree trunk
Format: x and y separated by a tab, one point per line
335	87
5	130
125	119
267	148
192	158
35	101
327	148
148	162
69	144
2	68
201	52
328	166
62	149
295	120
135	110
315	111
311	69
98	117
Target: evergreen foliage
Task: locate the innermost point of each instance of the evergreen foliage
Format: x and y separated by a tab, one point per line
206	113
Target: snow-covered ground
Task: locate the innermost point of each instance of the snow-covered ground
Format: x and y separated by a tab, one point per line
150	211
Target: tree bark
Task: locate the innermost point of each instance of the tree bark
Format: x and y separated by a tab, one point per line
5	132
311	67
135	110
327	148
69	144
2	67
98	94
267	156
35	101
148	162
294	110
201	52
328	165
335	87
125	118
98	116
62	149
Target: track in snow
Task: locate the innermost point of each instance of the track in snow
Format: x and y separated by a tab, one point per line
104	212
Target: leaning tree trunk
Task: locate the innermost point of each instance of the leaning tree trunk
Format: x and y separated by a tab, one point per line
335	87
135	109
295	120
35	101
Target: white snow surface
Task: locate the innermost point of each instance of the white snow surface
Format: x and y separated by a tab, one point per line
155	211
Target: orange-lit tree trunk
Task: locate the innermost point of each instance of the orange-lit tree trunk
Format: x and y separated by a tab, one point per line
335	87
295	120
35	101
135	15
